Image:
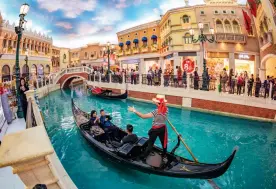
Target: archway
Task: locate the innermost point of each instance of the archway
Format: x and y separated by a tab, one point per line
25	71
68	81
40	71
6	73
47	70
268	66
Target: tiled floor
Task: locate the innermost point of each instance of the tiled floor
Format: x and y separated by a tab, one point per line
7	179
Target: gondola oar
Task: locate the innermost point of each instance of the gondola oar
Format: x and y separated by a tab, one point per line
211	182
182	140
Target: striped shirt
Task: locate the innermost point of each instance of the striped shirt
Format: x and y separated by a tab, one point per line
159	119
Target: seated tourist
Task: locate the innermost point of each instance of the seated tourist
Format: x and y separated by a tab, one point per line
107	122
102	118
129	138
94	120
109	128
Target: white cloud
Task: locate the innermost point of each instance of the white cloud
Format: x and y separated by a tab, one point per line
71	8
87	29
121	4
108	16
65	25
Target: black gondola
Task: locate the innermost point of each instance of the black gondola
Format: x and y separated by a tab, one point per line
128	154
108	94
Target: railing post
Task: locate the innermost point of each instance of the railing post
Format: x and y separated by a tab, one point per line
109	75
100	77
94	75
246	88
188	81
270	90
140	79
162	80
37	84
124	78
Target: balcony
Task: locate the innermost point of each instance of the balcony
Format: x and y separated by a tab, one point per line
135	50
154	48
230	38
144	49
266	41
128	51
120	53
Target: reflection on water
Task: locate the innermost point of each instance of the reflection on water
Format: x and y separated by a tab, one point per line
210	137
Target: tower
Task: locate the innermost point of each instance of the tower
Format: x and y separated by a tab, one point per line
187	2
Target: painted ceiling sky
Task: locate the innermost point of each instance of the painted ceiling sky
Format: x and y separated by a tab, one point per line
74	23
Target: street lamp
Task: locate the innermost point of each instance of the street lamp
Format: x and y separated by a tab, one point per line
27	67
18	30
108	51
202	38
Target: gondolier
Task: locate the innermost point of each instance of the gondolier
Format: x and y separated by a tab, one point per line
159	128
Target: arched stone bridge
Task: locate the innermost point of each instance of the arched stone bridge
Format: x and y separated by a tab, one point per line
65	76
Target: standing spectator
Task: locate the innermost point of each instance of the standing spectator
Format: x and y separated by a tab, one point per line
231	81
184	79
196	79
149	76
240	84
250	85
159	75
208	78
132	76
24	103
5	103
274	90
179	76
224	78
175	76
166	78
156	78
258	86
266	87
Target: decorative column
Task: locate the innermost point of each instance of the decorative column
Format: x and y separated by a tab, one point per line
232	62
162	80
257	65
189	81
199	62
142	67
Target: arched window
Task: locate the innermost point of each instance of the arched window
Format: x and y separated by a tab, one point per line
187	38
227	26
185	19
47	70
40	71
219	27
25	70
85	54
6	73
236	27
4	43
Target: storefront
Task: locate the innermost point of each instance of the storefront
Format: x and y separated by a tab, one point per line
168	62
216	61
244	62
130	64
152	63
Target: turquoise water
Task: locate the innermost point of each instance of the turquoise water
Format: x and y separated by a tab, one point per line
210	137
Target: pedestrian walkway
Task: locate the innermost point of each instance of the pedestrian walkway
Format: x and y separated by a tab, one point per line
7	179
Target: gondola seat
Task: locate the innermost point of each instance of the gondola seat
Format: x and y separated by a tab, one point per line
132	150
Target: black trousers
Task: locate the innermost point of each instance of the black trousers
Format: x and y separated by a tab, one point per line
111	132
153	134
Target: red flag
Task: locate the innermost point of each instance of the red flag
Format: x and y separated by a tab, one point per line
253	7
247	21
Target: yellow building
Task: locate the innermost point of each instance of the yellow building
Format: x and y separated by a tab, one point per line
139	47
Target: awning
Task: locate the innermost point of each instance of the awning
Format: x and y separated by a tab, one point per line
135	41
153	37
128	43
121	44
144	39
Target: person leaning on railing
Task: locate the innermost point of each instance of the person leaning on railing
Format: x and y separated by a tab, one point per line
23	99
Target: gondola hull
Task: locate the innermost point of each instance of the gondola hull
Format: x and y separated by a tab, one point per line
110	95
181	168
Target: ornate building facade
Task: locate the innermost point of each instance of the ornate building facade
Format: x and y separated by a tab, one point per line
265	21
35	52
236	44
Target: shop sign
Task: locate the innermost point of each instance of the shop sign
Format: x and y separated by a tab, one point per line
188	65
244	56
133	61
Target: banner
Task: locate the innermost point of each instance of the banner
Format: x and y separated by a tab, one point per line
188	65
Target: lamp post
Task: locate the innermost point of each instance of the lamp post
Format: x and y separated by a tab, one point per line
27	67
108	51
18	30
202	38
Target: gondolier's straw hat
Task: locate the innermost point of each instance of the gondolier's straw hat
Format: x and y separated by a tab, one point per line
158	98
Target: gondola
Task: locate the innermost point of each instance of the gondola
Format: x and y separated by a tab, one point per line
128	154
108	94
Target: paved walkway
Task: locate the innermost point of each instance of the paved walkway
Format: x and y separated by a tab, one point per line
7	179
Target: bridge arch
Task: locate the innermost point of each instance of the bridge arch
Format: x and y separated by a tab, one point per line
67	81
66	78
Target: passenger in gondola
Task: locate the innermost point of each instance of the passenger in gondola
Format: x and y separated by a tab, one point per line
102	118
94	120
159	128
109	128
129	138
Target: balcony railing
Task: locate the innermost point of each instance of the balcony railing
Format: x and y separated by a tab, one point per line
135	50
144	49
154	48
230	38
121	53
128	52
266	41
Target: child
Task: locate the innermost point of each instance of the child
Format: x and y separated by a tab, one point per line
107	122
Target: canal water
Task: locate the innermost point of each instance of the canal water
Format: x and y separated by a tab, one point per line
210	137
